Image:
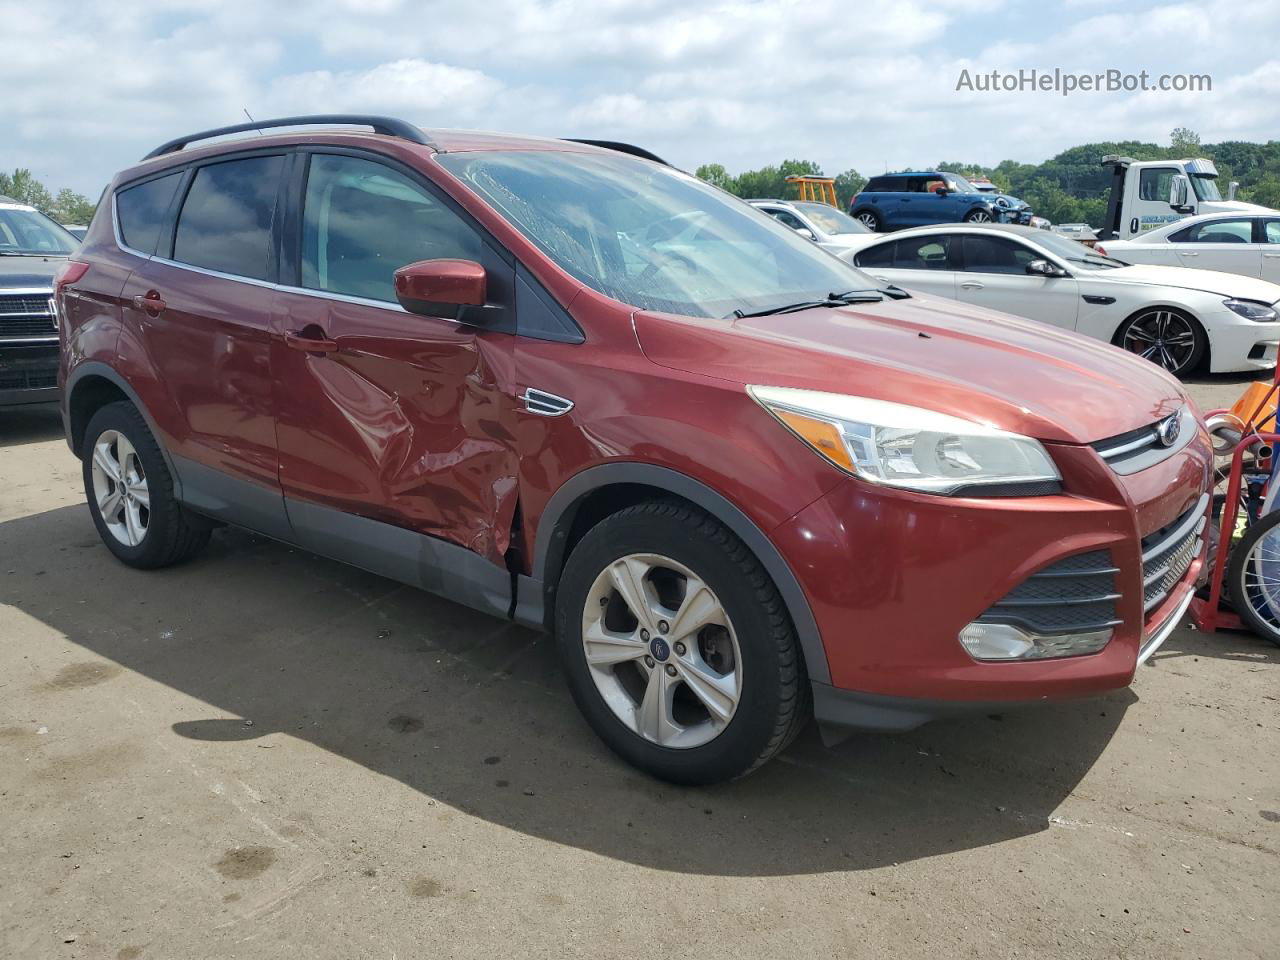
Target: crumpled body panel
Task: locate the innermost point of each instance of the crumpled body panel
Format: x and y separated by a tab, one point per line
409	422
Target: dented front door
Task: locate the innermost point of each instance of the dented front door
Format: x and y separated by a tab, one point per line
399	418
385	414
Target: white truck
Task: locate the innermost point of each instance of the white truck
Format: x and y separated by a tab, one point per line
1146	194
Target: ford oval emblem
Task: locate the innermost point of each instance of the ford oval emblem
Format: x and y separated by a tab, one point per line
1167	430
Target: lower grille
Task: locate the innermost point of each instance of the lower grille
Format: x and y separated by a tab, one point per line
27	380
25	315
1167	554
1074	595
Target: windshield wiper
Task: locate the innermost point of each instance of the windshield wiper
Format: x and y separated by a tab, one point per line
832	300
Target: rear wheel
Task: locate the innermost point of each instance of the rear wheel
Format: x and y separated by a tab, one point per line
130	492
677	646
1173	339
869	219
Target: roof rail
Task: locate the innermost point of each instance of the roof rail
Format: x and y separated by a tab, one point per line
388	126
621	148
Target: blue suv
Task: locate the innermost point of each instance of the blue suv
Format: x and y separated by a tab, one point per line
898	200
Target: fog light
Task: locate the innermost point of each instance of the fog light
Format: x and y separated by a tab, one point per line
1004	641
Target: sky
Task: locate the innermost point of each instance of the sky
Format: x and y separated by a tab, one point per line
92	86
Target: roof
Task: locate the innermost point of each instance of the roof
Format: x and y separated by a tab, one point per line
1014	228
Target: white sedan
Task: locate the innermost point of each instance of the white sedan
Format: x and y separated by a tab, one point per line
1179	318
1232	242
831	229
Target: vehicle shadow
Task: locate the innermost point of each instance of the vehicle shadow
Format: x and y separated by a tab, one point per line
1243	645
473	713
29	424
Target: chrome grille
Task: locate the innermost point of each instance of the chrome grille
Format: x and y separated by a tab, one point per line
1139	449
26	316
1167	554
1074	595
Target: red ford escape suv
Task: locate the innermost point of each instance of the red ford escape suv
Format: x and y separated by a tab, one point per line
564	383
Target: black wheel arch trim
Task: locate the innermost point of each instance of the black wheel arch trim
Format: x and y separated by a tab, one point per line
96	368
558	516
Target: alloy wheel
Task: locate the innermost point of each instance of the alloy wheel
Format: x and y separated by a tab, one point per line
979	216
869	221
120	488
662	651
1163	337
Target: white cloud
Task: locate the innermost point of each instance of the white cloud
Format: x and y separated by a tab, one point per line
742	83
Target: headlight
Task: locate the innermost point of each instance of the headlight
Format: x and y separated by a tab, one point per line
1001	202
1251	309
910	447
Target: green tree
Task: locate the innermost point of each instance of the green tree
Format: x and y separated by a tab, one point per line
72	207
1184	142
847	186
716	175
25	188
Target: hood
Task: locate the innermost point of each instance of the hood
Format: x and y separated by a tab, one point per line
1191	278
27	272
954	358
1232	206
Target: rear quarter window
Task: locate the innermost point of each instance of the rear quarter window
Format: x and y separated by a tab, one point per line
885	185
881	255
141	212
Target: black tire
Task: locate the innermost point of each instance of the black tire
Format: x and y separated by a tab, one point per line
1185	364
870	219
1246	599
172	534
775	700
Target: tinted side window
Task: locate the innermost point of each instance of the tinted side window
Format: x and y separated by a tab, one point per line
225	223
1222	231
361	221
1271	231
996	255
922	253
1182	236
881	255
790	219
142	210
885	185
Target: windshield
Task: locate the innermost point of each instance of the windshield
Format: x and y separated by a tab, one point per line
1206	188
651	236
27	233
830	219
1077	253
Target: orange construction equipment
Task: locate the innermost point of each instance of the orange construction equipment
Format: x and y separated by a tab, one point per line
815	189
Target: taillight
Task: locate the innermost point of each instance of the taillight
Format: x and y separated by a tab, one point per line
854	202
71	272
1101	250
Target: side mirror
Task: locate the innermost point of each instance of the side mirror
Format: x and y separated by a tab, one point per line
423	287
1043	268
806	233
1179	189
941	191
1231	190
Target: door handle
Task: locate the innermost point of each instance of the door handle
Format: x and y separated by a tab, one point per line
153	303
1272	256
1189	253
972	285
297	341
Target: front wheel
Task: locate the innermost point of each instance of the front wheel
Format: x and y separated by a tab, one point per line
677	646
1173	339
977	216
1253	577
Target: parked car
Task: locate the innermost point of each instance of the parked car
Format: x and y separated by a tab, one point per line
899	200
738	481
1179	318
1230	242
32	249
833	230
76	230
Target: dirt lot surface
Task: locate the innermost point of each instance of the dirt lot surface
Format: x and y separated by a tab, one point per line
265	754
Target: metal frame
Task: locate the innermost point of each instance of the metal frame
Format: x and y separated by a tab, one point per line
387	126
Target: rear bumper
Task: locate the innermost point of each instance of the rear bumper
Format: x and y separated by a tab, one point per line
28	373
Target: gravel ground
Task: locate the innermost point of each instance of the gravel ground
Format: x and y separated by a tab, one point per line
265	754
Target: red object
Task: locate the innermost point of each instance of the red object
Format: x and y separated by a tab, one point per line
423	423
440	281
1099	248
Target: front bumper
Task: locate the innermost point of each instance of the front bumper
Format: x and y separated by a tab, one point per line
892	579
1019	216
28	373
1237	344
